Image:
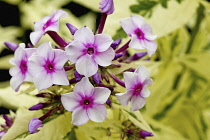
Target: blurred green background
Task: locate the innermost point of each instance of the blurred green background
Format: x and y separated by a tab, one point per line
179	106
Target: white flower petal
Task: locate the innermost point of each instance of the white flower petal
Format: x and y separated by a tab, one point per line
148	82
84	87
70	101
138	21
143	73
85	65
60	58
42	80
53	27
128	26
14	71
59	14
131	79
105	58
102	42
145	92
151	47
84	36
36	36
45	51
137	102
59	77
74	50
136	43
97	113
101	94
16	81
124	98
79	116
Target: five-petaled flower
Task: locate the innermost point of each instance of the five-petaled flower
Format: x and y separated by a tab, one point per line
89	50
48	23
141	33
47	66
86	102
20	72
136	84
107	6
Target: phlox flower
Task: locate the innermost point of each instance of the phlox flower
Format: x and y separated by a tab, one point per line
86	102
46	65
20	72
107	6
141	33
136	85
89	50
48	23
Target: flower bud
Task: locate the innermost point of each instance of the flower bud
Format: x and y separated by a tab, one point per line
34	124
12	46
107	6
116	43
71	28
144	134
97	78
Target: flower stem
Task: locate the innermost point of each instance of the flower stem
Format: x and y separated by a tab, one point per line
102	23
57	39
123	48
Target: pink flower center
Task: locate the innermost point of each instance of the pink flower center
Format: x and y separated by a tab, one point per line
23	66
139	34
49	67
90	51
86	102
137	89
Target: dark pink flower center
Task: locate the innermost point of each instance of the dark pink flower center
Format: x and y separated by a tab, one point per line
137	89
90	51
139	34
23	66
86	102
49	67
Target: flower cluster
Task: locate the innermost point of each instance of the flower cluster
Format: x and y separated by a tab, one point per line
85	63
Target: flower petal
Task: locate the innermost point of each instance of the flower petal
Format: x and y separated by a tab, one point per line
143	73
97	113
101	94
42	80
124	98
45	51
85	65
70	101
14	71
102	42
145	92
79	116
74	50
59	14
151	47
137	102
131	79
138	21
128	26
84	87
36	36
59	77
148	82
60	58
84	35
16	81
105	58
136	43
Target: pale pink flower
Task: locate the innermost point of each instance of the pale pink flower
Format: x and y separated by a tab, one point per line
86	102
141	33
48	23
107	6
20	71
89	50
136	85
47	66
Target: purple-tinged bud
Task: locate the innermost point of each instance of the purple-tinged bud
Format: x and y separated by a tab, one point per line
117	80
144	134
132	69
109	87
109	102
11	46
44	95
77	76
116	43
34	124
9	121
29	45
113	65
97	78
129	132
2	133
71	28
66	68
107	6
137	56
117	56
36	107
